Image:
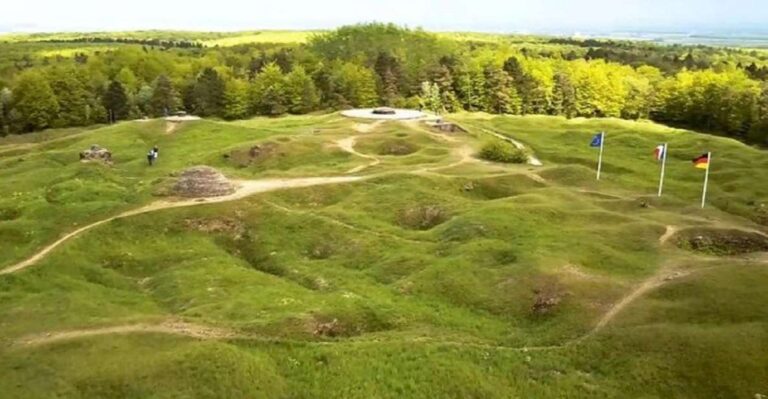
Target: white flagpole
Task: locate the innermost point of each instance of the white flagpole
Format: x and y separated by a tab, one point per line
663	167
706	180
600	158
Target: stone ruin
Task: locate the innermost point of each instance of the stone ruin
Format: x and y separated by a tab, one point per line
96	153
202	181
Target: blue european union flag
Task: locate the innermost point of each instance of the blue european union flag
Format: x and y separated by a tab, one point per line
597	141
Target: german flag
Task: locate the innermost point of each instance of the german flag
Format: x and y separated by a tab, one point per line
701	162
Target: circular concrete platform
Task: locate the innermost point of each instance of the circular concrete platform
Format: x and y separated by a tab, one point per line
399	114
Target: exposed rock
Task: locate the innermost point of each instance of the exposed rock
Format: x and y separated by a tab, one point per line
722	241
96	153
202	181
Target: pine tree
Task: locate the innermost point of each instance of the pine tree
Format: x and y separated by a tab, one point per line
208	94
501	97
144	99
430	97
301	94
34	102
5	108
236	99
268	91
563	96
165	98
115	101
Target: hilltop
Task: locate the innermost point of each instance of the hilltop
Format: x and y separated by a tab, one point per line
366	259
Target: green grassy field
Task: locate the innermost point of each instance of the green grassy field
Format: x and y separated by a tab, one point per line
437	275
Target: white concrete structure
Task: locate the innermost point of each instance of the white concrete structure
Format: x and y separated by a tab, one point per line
398	115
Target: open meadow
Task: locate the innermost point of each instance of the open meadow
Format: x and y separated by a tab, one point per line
407	267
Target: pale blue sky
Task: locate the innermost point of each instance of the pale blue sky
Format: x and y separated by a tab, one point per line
481	15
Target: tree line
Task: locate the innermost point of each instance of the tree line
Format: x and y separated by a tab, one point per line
382	64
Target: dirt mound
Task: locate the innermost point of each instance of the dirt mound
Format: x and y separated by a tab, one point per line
721	241
202	181
96	153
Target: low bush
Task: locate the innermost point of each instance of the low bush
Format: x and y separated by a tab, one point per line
499	151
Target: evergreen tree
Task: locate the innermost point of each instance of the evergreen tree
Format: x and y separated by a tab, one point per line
501	97
268	91
144	99
208	94
165	98
5	110
128	79
300	92
34	102
430	97
563	96
236	100
115	101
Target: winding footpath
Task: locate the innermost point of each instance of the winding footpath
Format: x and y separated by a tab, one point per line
245	188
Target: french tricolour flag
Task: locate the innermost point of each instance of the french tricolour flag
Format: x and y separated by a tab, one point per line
659	152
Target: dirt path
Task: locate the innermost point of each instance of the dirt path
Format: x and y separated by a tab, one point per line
344	224
348	145
245	188
177	327
671	231
367	127
173	327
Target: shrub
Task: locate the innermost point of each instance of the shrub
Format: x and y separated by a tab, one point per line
499	151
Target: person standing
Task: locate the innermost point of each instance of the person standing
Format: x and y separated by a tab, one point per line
155	153
151	157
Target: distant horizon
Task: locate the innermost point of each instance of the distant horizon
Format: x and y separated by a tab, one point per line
492	16
731	32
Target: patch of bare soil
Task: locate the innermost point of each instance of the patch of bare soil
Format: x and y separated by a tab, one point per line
397	148
422	217
96	154
257	153
548	294
171	126
202	181
721	242
228	226
175	327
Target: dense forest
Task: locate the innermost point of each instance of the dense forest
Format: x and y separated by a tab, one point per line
717	90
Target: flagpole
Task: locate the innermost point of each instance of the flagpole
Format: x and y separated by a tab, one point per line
706	180
663	168
600	157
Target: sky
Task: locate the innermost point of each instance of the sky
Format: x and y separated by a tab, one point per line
542	16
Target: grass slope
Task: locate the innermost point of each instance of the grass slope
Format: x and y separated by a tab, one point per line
440	275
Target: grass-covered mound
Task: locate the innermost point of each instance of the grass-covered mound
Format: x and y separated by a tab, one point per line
478	280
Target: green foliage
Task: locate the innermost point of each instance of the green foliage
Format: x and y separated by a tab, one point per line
236	104
714	89
34	102
300	92
268	91
431	282
501	151
208	94
165	98
115	101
